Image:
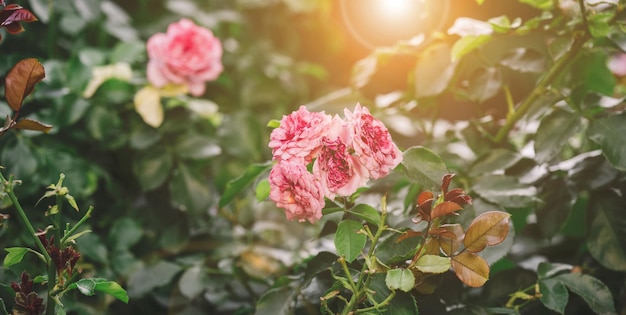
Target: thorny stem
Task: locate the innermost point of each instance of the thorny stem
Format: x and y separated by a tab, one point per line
8	188
538	91
77	225
365	275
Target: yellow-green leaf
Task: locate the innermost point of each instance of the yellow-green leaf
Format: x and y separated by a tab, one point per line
433	264
402	279
148	106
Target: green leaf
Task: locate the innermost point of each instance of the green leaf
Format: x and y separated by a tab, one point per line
274	123
593	291
188	191
400	278
554	132
433	71
237	185
87	9
88	287
467	44
85	286
505	191
19	159
198	147
348	242
485	83
262	190
152	167
142	281
402	304
557	201
363	71
548	270
392	251
367	213
125	233
41	10
540	4
3	308
15	255
609	133
607	236
277	301
128	52
594	73
494	160
193	281
554	295
424	167
433	264
524	60
70	199
91	246
599	24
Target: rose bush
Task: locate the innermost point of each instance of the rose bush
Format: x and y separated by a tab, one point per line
187	54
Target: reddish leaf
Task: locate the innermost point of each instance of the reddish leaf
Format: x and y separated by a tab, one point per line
489	228
446	182
471	269
30	124
451	237
21	80
458	195
408	234
444	208
424	196
15	13
432	247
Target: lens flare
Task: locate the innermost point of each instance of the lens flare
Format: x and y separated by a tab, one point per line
396	7
384	22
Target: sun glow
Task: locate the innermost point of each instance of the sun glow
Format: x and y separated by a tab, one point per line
385	22
396	8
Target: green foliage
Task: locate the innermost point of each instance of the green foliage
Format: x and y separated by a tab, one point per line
520	102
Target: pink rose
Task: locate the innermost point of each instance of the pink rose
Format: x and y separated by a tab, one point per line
297	191
299	135
339	172
617	65
187	54
372	143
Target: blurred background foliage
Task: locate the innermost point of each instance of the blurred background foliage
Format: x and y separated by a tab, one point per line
159	228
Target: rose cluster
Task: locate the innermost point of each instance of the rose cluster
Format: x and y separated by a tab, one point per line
345	153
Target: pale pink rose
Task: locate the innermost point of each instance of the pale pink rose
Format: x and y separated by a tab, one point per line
297	191
299	135
339	172
187	54
372	143
617	65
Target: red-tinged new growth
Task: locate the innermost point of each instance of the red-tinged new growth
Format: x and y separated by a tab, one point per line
450	240
11	16
27	302
64	259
